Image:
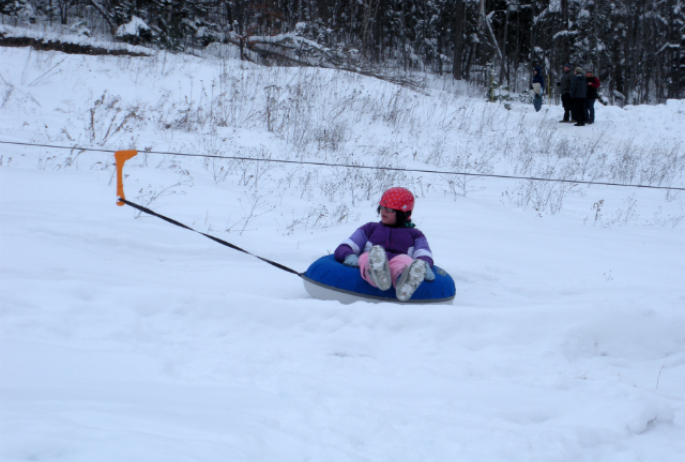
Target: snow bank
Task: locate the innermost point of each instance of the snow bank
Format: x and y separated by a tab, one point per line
127	338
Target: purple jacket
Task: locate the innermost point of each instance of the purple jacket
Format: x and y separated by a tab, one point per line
395	241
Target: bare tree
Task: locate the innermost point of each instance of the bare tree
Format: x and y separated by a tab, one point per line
459	23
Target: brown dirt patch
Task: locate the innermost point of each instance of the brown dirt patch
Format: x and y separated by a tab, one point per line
70	48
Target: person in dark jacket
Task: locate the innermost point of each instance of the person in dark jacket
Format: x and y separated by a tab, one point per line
392	251
578	96
565	89
538	87
538	79
592	87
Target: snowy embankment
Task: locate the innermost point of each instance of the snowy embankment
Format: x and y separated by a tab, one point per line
132	339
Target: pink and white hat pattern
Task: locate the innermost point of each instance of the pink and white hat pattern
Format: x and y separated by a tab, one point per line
398	199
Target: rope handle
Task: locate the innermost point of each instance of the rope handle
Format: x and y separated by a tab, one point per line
123	201
121	157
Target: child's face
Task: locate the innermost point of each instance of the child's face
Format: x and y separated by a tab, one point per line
388	216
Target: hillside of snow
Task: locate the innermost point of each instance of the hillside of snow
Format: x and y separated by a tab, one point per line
123	337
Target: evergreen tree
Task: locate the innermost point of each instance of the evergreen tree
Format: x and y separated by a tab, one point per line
635	47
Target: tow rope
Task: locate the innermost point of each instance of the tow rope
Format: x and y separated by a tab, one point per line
121	157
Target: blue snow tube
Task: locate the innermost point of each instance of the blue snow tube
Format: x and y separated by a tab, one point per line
329	279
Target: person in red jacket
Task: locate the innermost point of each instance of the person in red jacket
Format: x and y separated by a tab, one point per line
592	86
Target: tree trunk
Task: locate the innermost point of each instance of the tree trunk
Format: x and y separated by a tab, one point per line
488	29
459	20
504	45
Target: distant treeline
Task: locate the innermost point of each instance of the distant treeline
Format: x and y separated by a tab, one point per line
636	47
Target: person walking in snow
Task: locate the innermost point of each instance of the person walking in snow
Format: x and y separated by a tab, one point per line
578	96
565	90
592	87
538	83
392	251
538	86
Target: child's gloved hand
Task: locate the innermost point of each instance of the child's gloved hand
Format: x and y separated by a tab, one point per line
353	261
430	275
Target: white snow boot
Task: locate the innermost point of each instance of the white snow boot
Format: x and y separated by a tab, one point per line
378	270
410	280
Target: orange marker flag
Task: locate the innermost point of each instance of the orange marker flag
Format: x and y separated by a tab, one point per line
121	157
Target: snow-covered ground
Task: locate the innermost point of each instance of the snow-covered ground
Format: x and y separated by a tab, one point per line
127	338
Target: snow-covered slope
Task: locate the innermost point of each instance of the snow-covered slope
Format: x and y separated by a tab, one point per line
127	338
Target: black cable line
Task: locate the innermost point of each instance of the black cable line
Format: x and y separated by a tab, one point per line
215	239
363	167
